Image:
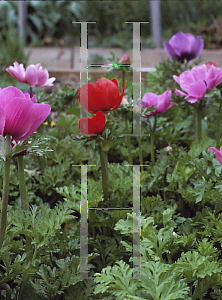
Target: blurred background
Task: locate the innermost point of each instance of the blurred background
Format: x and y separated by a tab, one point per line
49	24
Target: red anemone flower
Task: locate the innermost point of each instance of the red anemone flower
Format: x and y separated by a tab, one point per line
93	125
104	95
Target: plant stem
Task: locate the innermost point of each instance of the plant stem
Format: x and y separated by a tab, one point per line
26	276
140	152
123	79
104	169
152	132
199	122
152	147
31	92
128	143
219	125
8	291
22	188
5	189
25	202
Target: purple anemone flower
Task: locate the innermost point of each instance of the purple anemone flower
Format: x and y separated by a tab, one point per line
184	46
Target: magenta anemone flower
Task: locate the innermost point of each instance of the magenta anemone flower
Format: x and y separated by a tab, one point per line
184	46
197	81
217	152
19	115
33	76
161	102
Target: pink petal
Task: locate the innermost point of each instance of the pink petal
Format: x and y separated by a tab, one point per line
42	76
50	81
9	93
150	99
31	76
18	71
185	80
200	72
192	99
23	117
2	120
37	113
214	77
180	93
197	89
217	152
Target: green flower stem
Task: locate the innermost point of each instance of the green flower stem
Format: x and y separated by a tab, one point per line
140	152
8	291
199	122
104	168
23	194
128	143
123	79
152	147
219	125
5	189
152	132
26	276
25	202
31	92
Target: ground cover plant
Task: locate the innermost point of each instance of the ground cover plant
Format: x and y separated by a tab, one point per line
45	147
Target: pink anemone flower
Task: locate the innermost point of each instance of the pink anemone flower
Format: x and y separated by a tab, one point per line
161	102
217	152
34	75
197	81
19	115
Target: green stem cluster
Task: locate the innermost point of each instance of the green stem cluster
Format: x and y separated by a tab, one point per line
104	169
140	152
152	133
25	202
5	190
199	122
123	78
219	125
128	143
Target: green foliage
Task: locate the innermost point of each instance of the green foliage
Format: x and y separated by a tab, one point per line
155	282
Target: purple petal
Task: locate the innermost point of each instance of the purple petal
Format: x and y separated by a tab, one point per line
197	46
167	47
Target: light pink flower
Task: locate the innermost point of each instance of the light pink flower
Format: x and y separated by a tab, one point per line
161	102
19	115
217	152
33	76
169	148
124	100
125	59
197	81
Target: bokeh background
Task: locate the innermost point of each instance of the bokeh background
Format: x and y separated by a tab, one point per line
49	23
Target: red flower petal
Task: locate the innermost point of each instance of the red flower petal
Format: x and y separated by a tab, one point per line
102	96
93	125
